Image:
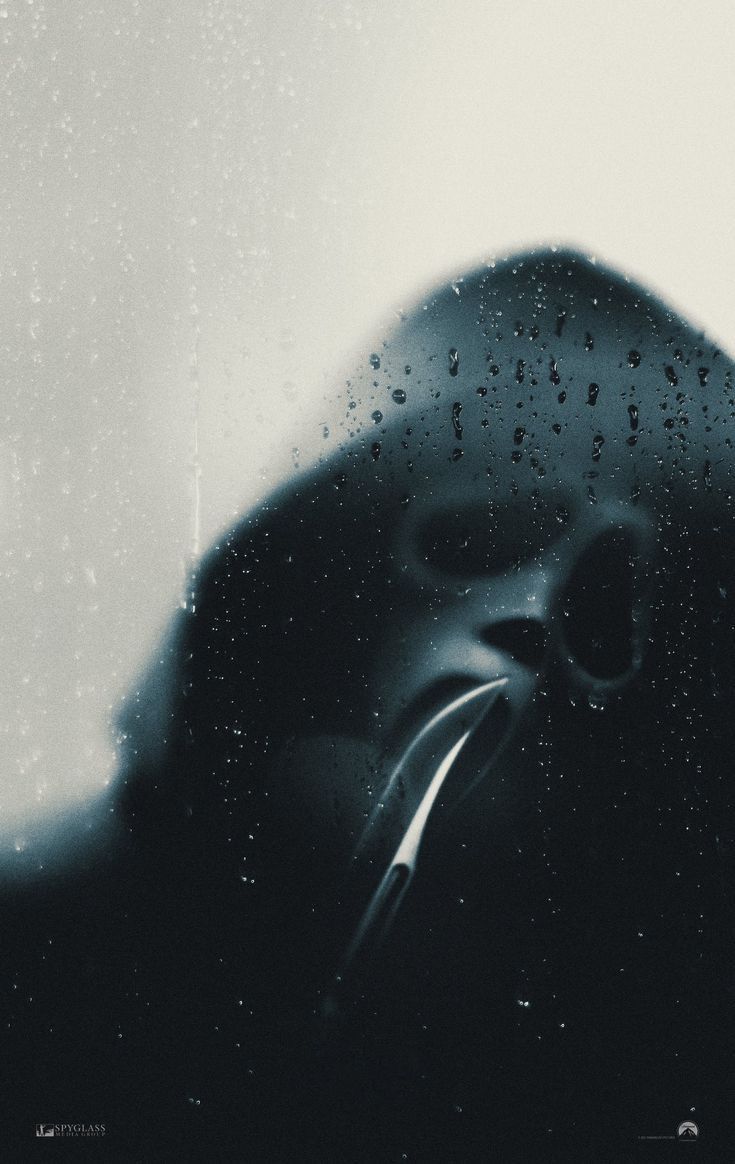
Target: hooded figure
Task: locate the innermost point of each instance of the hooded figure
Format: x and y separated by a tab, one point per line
427	801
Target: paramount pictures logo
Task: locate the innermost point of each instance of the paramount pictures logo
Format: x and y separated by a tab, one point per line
687	1131
70	1130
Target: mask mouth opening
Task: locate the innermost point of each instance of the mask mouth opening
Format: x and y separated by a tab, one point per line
427	703
599	626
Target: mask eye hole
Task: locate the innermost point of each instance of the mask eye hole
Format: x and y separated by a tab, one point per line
598	608
472	541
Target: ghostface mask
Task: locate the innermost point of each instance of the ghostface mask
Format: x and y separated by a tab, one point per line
448	730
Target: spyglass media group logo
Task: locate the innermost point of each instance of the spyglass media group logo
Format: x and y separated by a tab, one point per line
70	1130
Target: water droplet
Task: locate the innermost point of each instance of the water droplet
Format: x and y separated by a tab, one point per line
703	373
597	444
376	416
453	362
634	358
399	396
375	361
456	410
592	393
375	450
633	414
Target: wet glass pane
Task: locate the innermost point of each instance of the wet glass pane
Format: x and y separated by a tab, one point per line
365	512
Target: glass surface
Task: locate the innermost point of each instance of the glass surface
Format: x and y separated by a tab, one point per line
223	225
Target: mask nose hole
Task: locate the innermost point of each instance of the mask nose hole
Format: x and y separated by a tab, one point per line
598	608
524	639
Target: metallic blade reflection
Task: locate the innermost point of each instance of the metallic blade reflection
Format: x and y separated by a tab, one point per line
464	714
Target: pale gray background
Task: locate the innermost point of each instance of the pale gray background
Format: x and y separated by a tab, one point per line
207	206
